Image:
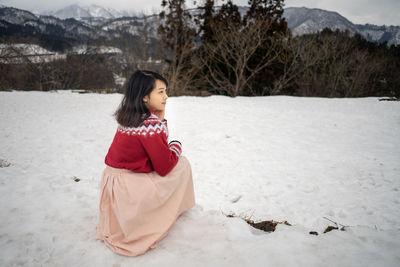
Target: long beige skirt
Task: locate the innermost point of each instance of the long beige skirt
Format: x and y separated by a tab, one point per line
138	209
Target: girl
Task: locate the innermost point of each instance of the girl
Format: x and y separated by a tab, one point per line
146	184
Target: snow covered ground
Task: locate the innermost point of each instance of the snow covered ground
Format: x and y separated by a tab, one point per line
267	158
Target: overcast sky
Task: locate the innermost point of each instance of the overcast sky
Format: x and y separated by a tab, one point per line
357	11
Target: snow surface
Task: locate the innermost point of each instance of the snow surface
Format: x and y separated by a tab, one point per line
281	158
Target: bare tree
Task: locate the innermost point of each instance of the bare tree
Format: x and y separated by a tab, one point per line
31	70
228	59
296	58
332	65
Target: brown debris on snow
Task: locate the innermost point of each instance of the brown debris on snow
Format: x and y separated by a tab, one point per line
266	226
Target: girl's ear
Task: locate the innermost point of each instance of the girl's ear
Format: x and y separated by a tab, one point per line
146	99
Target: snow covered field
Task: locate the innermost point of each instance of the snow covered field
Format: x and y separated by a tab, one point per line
268	158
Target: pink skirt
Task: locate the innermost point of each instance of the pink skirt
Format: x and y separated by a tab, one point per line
138	209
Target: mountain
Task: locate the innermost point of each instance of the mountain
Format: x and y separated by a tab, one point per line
16	16
91	11
374	33
302	20
12	18
93	22
50	32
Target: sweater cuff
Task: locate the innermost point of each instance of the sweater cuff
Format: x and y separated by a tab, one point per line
176	146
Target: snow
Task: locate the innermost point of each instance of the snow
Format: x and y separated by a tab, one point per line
83	49
281	158
119	79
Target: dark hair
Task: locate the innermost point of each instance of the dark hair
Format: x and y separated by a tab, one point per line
132	110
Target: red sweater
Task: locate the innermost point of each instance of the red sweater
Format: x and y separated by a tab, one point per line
144	148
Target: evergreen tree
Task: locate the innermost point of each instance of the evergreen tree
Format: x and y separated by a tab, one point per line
261	10
268	13
234	52
227	20
205	20
177	37
227	15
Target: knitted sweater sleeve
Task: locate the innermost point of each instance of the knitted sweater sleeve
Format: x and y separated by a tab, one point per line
163	156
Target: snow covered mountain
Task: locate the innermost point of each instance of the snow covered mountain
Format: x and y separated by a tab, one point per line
91	11
22	21
95	21
14	21
302	20
380	34
16	16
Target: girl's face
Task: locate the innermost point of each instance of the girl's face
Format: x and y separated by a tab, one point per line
157	99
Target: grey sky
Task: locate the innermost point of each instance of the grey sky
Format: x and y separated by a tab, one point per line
357	11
